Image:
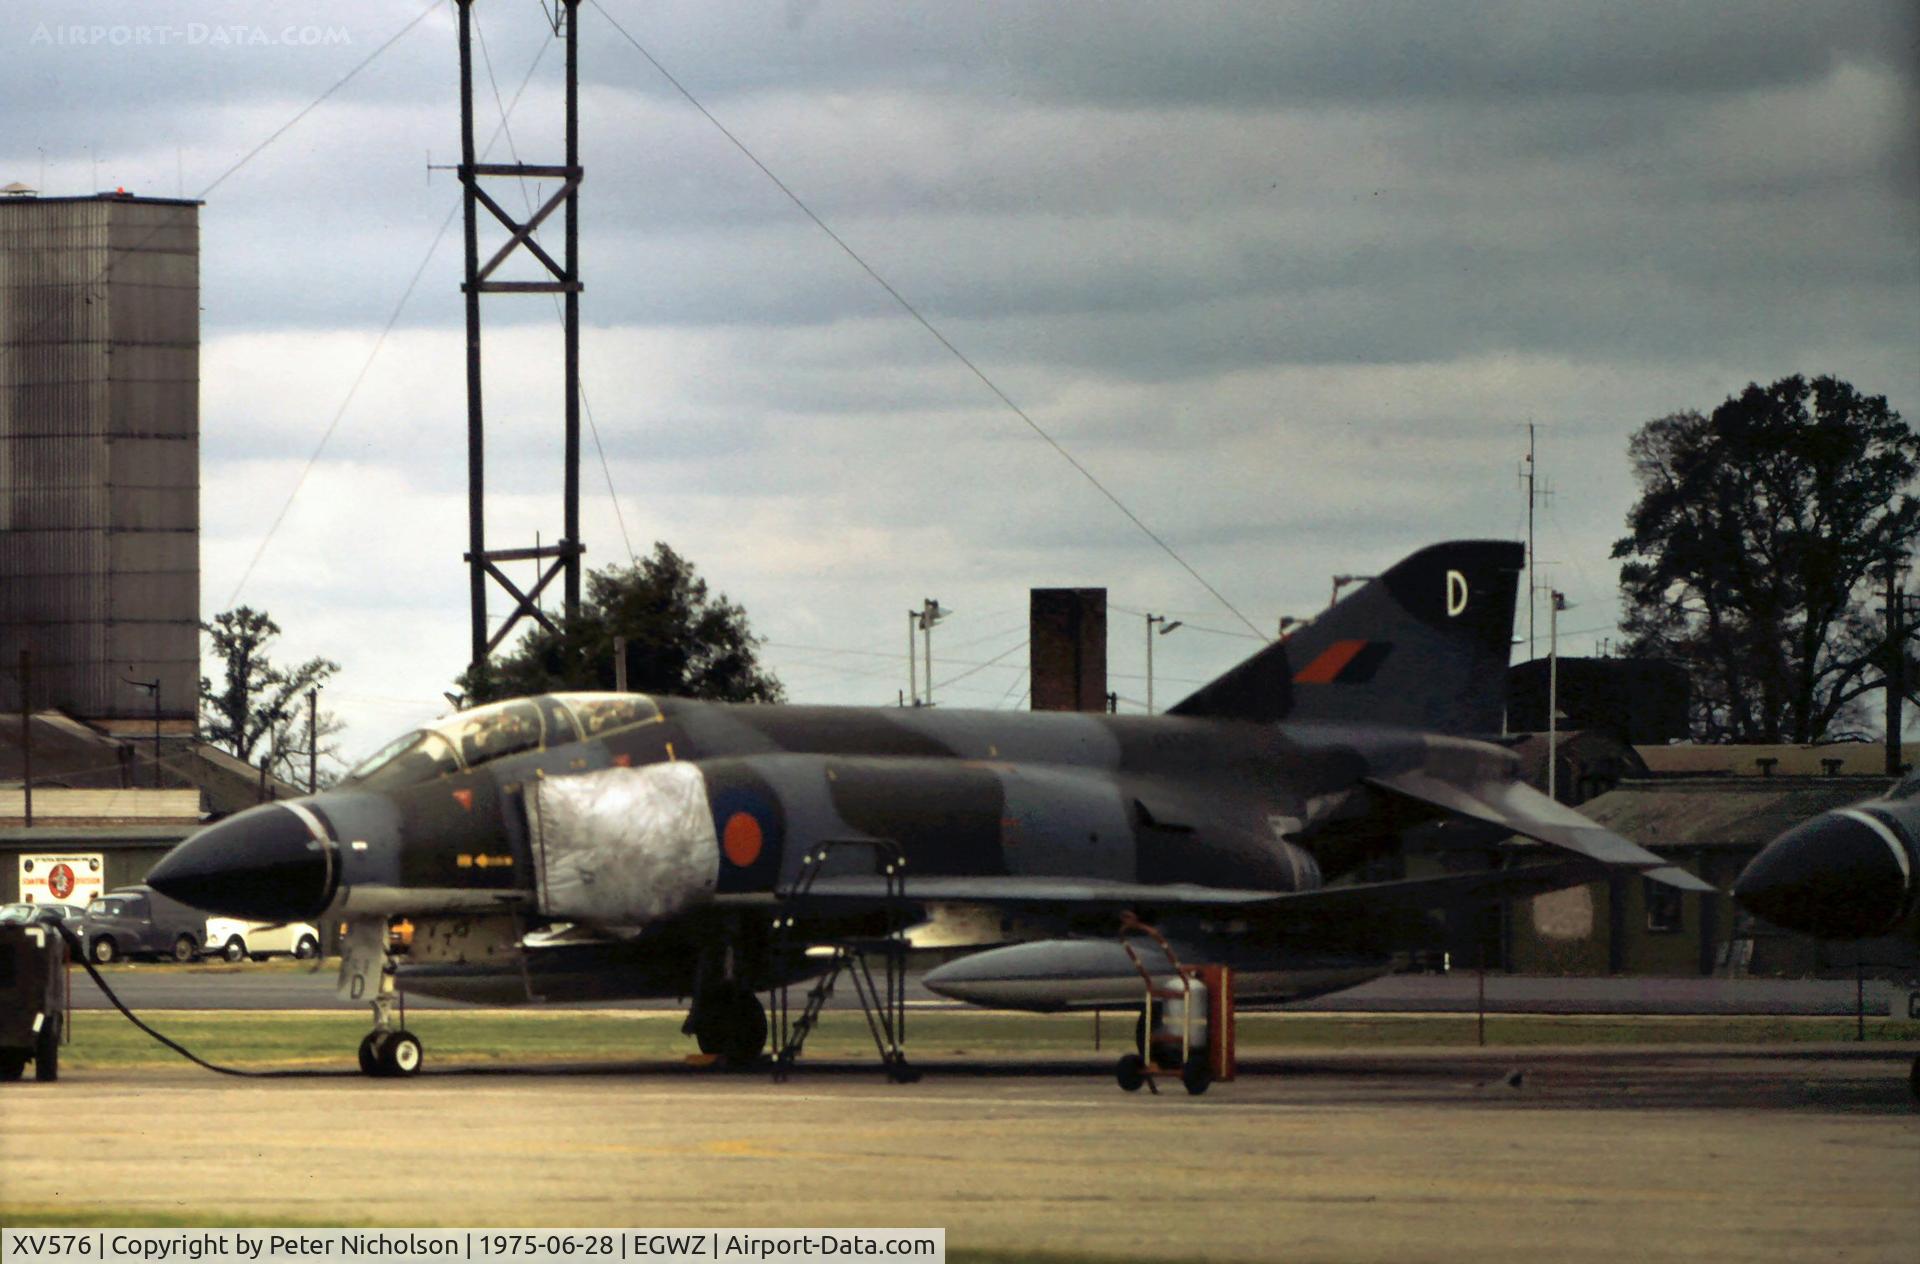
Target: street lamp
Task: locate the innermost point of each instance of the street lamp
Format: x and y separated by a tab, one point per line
1165	628
930	614
1558	604
913	656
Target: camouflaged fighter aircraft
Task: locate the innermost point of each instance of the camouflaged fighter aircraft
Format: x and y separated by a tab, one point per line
1852	873
598	845
1849	874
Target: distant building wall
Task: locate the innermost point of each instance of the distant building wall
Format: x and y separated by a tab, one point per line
1067	649
127	853
1634	700
99	454
1626	925
1711	826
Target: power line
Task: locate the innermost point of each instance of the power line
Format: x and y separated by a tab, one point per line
928	325
342	82
979	667
341	411
374	354
132	251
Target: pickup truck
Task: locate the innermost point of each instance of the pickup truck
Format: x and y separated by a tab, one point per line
237	940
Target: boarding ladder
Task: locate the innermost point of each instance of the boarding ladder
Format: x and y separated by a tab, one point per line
883	1002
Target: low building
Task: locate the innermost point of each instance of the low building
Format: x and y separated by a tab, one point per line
91	820
1710	826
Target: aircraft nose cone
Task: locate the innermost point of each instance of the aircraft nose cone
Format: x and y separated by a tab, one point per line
267	864
1841	875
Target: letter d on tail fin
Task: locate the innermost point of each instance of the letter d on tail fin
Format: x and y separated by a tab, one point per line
1425	646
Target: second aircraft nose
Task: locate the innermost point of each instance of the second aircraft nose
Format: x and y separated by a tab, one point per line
1841	875
271	863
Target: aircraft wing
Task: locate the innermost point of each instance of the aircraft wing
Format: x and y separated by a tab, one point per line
1358	900
1012	891
1524	810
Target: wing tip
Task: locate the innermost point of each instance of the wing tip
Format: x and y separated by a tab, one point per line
1678	878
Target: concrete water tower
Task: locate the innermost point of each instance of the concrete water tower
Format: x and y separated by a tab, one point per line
100	456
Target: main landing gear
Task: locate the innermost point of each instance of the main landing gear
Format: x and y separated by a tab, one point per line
728	1020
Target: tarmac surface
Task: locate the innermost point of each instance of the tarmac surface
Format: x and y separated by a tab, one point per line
1748	1154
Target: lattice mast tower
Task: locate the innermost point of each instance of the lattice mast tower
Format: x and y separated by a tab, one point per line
561	558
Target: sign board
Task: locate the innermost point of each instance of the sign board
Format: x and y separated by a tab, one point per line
62	879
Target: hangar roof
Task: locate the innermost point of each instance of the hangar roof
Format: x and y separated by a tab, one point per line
1721	811
1856	759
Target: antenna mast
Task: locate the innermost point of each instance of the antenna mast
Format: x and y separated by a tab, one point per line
1534	494
561	558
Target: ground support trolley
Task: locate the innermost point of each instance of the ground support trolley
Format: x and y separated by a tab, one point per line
1145	1065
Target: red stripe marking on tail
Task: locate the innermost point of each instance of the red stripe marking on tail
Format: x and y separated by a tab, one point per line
1333	660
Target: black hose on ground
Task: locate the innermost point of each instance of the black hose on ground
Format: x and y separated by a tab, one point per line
78	951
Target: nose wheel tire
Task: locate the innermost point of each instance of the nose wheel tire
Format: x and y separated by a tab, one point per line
391	1054
402	1055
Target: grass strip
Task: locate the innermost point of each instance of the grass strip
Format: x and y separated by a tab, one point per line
277	1039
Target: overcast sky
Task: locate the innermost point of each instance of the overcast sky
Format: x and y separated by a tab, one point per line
1290	279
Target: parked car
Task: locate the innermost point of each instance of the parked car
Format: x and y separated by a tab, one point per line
235	939
139	921
42	913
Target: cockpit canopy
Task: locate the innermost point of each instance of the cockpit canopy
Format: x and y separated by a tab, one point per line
470	738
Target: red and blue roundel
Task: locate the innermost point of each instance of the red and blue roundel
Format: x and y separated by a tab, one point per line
751	825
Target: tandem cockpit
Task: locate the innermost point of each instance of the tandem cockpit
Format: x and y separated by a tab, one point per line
468	739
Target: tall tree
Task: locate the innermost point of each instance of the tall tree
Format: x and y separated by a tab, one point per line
681	638
1757	544
257	700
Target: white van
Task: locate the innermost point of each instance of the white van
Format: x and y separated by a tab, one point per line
237	940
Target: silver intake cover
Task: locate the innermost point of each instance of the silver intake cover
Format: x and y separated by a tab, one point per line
623	846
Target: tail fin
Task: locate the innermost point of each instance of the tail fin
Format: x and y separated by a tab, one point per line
1425	646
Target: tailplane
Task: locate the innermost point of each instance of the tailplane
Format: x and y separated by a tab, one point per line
1424	646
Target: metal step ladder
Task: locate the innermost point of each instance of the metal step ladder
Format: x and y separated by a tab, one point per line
883	1001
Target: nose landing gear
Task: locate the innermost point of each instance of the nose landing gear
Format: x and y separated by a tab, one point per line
389	1050
390	1053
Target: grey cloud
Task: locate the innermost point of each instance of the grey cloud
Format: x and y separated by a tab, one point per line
1244	54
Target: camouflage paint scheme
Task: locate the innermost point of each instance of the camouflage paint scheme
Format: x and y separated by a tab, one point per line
1231	821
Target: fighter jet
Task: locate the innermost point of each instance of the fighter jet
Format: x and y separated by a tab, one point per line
598	845
1852	873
